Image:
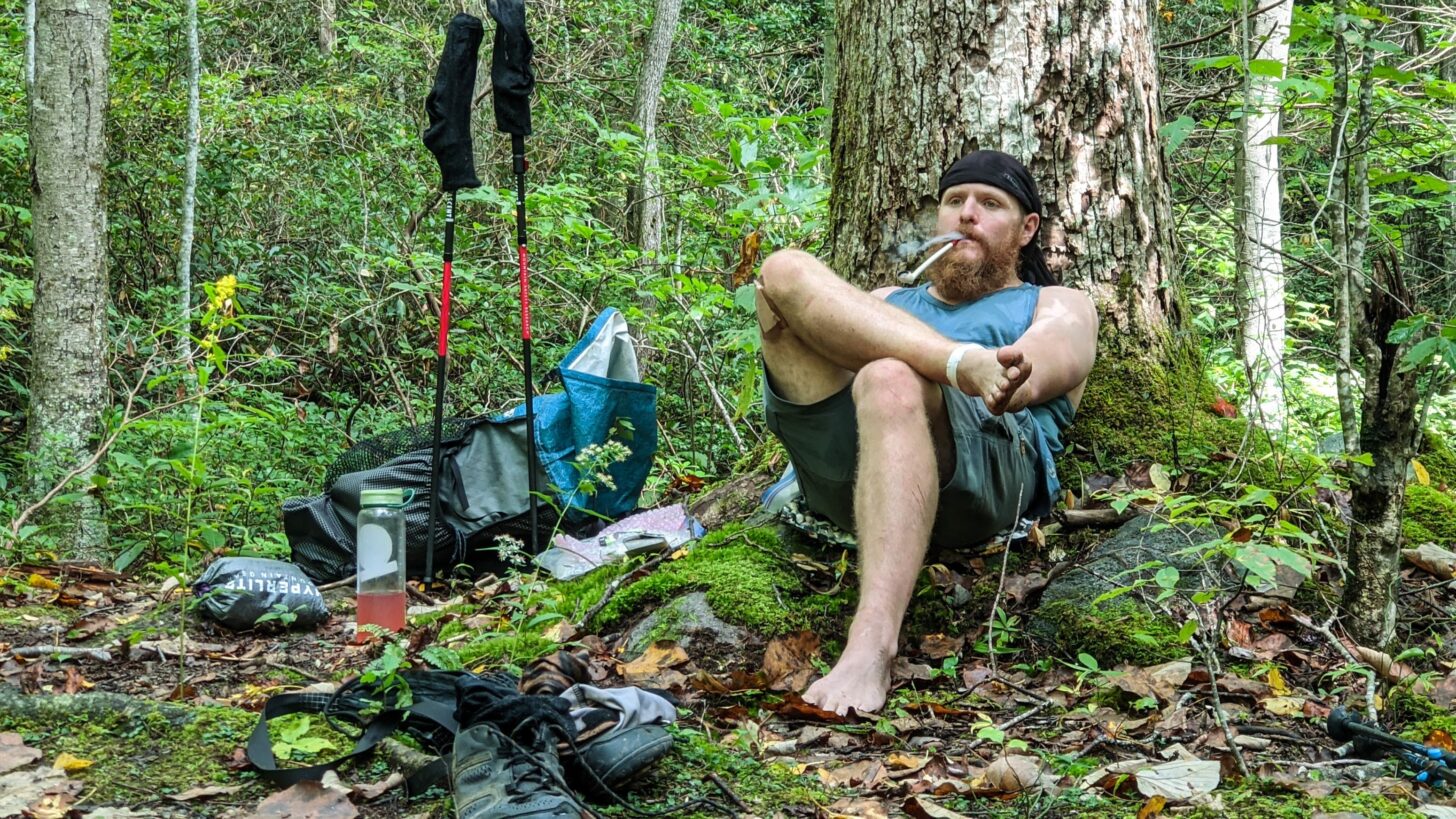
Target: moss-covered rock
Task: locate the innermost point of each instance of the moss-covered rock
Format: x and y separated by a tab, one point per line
745	575
1430	516
1439	461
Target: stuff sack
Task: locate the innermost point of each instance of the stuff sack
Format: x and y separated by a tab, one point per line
236	591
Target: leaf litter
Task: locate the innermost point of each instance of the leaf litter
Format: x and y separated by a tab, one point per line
919	756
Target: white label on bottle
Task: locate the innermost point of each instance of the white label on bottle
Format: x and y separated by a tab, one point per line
375	552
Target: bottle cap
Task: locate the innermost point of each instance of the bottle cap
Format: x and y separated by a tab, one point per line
382	497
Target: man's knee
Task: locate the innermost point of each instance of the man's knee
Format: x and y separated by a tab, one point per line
888	388
784	271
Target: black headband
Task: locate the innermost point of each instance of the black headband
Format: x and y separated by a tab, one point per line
1004	171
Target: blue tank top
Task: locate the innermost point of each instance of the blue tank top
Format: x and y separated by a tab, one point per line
996	320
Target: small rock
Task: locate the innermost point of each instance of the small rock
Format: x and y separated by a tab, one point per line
690	621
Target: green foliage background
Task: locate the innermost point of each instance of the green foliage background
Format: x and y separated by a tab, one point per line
316	193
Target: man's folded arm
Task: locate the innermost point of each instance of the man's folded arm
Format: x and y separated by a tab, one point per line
1060	344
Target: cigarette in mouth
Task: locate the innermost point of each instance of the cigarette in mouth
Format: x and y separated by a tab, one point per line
909	278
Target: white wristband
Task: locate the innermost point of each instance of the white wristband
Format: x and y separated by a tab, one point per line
954	362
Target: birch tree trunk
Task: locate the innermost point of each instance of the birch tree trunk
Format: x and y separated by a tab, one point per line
326	36
1338	206
29	47
1068	87
648	214
1261	236
68	388
189	187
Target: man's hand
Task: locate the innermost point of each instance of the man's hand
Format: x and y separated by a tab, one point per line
994	375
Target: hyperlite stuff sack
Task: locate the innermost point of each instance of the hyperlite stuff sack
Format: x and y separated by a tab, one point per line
236	591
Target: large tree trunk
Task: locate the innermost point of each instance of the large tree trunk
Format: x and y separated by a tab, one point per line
1261	238
68	376
1389	430
648	213
1068	87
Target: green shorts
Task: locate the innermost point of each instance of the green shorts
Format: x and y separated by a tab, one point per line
997	469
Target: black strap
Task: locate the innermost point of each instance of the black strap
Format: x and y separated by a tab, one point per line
385	723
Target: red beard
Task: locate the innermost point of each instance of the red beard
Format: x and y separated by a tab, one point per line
957	279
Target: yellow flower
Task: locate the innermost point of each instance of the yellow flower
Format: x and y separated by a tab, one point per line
226	287
5	352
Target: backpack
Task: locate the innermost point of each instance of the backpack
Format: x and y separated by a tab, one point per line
484	484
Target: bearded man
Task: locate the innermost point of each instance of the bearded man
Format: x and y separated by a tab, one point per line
956	393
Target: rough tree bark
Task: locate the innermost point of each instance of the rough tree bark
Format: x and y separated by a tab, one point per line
68	320
648	211
1389	430
326	35
1068	87
1261	236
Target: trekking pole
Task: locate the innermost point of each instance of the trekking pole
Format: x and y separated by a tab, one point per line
1431	764
448	138
511	83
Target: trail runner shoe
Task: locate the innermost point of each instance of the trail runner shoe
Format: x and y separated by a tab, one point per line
495	776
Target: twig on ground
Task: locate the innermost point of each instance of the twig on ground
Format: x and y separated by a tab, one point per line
1325	632
728	792
1213	670
98	654
1012	723
1101	518
1000	589
614	586
338	584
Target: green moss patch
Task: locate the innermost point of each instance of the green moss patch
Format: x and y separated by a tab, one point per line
147	754
1117	633
1430	516
744	574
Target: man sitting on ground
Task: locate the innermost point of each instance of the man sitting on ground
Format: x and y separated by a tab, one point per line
957	392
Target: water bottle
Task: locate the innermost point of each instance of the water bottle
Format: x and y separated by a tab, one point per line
381	571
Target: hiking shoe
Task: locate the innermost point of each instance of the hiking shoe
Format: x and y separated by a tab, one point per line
606	761
494	776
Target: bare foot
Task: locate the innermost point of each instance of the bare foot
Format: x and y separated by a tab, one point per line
858	681
994	375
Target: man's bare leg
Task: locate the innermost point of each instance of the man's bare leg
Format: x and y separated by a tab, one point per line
838	328
905	452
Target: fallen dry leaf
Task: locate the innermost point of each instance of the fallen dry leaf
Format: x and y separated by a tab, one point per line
939	646
902	670
659	656
922	808
1153	807
856	808
15	753
906	763
863	774
65	761
204	792
307	800
1158	681
1433	559
788	662
1019	587
1384	665
1012	774
1284	706
1179	780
